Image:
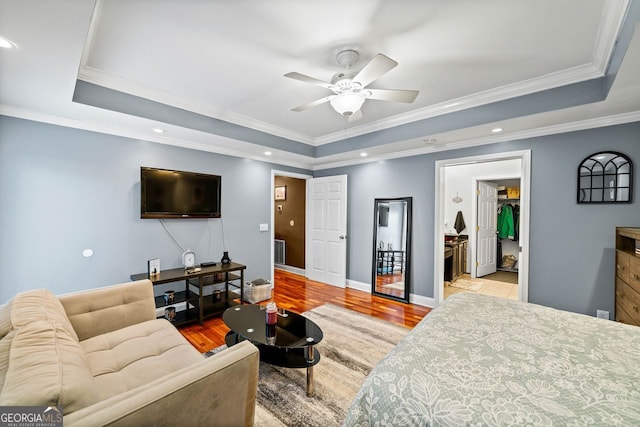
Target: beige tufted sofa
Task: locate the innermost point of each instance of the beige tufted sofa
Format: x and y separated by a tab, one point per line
104	357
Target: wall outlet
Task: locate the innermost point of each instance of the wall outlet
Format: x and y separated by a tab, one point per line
264	227
602	314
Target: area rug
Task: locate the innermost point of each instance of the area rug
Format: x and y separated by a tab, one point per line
399	286
466	285
352	345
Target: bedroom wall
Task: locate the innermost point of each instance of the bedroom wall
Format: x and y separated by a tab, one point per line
571	245
64	190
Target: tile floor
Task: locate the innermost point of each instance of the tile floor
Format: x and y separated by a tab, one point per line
484	286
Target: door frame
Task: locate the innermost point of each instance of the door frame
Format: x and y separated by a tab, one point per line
439	219
274	173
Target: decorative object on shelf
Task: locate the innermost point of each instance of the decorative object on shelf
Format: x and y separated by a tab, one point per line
153	267
457	199
169	297
513	193
605	177
272	313
189	259
281	192
225	258
170	314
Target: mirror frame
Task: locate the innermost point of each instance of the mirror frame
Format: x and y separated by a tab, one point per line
596	168
407	268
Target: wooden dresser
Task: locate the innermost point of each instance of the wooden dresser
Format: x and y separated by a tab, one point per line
628	275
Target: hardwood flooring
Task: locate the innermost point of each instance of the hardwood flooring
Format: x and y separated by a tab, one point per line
296	293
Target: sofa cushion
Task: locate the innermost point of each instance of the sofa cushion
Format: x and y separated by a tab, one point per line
97	311
29	306
135	355
46	366
23	309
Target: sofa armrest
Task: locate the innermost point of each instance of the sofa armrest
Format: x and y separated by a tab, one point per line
98	311
221	390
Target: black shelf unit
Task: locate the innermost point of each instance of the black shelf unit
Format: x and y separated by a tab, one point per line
197	305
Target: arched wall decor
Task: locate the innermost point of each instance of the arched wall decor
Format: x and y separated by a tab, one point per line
605	177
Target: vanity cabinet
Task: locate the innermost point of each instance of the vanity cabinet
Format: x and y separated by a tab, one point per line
455	259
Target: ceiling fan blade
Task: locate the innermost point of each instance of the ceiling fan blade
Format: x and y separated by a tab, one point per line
314	103
379	65
393	95
355	116
307	79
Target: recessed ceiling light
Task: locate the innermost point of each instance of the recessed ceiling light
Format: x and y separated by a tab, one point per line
497	130
267	153
6	43
158	130
363	154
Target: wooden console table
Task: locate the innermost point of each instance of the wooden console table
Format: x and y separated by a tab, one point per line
227	274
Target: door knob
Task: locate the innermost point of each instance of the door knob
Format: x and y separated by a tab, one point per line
342	237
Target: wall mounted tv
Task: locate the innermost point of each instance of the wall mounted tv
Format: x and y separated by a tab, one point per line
176	194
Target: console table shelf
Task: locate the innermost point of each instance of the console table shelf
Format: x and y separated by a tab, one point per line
197	305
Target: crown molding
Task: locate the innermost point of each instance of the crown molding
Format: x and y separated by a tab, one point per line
525	87
37	116
120	84
613	15
313	164
599	122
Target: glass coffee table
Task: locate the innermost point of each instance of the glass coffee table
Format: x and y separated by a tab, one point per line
289	344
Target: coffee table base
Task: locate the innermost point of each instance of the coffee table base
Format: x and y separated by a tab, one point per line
299	357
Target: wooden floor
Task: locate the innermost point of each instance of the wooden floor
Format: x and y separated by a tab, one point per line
298	294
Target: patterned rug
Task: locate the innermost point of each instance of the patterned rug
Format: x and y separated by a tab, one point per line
465	284
398	286
353	344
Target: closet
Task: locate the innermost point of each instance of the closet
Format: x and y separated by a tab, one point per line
508	224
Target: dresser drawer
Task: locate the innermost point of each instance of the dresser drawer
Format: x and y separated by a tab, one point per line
622	265
628	300
634	273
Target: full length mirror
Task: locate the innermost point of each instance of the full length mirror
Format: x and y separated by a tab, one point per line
392	248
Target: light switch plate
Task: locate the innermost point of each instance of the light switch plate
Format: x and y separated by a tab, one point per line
264	227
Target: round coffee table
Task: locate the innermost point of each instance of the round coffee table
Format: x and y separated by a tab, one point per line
289	344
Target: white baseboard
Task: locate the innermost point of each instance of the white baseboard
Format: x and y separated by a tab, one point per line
291	269
413	299
353	284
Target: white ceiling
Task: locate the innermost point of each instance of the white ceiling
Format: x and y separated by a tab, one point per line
226	60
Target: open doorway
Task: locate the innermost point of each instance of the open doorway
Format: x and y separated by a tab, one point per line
288	221
458	222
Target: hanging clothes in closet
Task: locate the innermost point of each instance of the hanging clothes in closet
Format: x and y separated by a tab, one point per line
506	223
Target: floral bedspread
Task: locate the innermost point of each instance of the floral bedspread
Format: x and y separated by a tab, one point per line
484	361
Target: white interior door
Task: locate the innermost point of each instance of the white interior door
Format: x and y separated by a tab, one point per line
487	230
326	257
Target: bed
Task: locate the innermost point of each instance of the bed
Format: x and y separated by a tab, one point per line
483	361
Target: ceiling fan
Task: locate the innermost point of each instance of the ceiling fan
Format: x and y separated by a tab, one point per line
350	87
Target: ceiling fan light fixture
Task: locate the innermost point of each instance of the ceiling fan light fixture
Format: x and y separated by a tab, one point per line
347	103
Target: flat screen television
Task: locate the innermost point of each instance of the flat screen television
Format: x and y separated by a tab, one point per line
176	194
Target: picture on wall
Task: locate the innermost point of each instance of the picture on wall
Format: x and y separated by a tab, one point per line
281	192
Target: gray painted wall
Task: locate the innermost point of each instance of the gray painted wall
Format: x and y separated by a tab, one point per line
64	190
571	245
